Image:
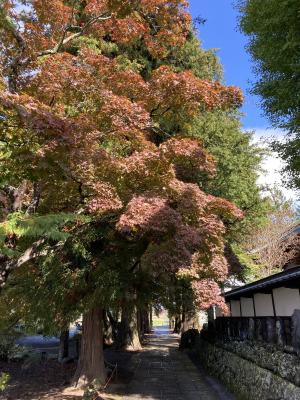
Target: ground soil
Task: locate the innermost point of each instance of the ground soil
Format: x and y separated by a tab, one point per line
50	380
36	381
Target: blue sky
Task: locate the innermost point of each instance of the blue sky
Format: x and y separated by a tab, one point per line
220	31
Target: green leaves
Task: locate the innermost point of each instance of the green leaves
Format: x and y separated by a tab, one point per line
274	35
4	378
238	162
49	226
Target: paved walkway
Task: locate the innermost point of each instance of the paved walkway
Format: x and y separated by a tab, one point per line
161	372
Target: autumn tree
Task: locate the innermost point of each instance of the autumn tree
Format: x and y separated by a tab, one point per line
101	177
238	158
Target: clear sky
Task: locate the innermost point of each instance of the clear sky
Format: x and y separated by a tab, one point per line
221	32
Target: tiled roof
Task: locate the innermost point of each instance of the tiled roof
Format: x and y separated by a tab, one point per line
262	285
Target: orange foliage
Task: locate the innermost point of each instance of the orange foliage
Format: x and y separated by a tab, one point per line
91	125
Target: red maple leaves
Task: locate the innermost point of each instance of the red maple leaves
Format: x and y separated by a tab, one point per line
92	124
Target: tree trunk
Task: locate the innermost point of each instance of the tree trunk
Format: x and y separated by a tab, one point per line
63	346
184	322
189	321
108	329
177	326
146	321
150	318
91	366
113	323
128	333
140	323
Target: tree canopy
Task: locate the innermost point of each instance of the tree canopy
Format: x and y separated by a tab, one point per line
274	35
100	193
109	112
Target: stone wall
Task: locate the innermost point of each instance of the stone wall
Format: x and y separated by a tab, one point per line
253	371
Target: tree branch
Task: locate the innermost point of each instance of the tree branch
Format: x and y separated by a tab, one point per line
11	265
35	199
16	61
65	40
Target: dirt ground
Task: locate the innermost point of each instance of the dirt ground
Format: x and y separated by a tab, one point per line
50	380
42	380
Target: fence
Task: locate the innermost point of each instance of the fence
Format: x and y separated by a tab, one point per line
274	330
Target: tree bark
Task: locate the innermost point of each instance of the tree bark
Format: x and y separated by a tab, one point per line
150	318
189	321
109	328
113	319
63	346
184	322
177	326
140	323
128	333
91	368
146	321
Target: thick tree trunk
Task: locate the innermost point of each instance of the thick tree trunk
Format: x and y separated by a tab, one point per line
189	321
113	320
128	333
184	323
146	321
91	366
63	346
177	326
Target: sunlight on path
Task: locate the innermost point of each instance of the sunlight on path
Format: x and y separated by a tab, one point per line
164	373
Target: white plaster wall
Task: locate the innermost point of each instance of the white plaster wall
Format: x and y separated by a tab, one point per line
235	308
247	307
286	301
263	305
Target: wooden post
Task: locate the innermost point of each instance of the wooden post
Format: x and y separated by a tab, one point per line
273	302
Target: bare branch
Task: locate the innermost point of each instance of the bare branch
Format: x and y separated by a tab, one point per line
16	62
276	244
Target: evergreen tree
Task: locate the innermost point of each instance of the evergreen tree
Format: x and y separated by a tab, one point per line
274	34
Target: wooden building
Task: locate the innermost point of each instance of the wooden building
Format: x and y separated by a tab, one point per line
275	296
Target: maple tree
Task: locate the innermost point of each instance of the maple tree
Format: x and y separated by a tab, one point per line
99	150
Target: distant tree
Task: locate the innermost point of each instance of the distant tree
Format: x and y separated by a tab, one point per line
274	35
276	243
238	162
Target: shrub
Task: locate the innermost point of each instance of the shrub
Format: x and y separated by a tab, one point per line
4	378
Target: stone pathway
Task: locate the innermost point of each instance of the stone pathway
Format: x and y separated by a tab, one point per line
161	372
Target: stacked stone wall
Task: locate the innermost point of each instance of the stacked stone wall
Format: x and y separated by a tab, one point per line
252	370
